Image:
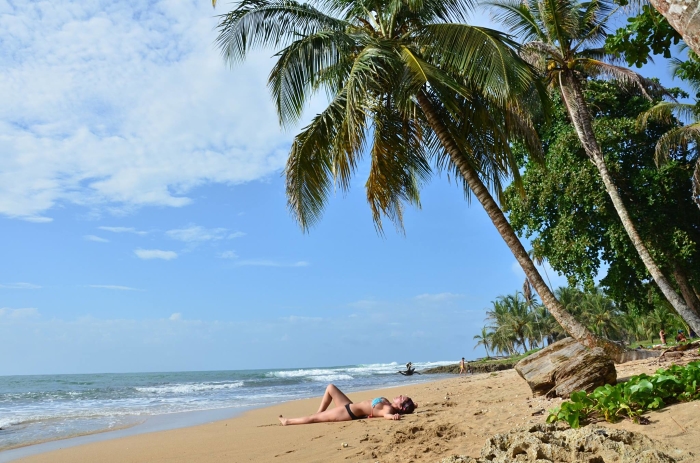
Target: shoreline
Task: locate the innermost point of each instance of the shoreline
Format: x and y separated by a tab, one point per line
158	423
455	416
148	424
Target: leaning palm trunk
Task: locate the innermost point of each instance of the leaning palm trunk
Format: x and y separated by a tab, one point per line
581	118
572	326
686	288
683	17
696	184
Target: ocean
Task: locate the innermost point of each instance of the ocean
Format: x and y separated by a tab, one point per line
42	408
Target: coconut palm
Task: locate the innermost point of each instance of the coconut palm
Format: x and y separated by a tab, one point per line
680	136
600	314
410	85
513	323
562	39
484	339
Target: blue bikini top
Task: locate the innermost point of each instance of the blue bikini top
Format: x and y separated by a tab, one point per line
377	401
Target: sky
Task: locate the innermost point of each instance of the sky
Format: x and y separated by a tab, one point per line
143	220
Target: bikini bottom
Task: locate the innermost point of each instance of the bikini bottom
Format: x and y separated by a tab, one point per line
352	415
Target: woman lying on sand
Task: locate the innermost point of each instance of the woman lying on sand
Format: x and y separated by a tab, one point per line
345	410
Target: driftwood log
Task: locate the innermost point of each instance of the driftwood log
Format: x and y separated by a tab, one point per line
565	367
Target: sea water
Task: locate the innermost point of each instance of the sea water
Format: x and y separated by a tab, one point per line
44	408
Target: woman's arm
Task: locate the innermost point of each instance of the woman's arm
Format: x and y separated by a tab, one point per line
394	416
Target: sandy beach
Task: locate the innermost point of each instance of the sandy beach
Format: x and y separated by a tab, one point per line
455	417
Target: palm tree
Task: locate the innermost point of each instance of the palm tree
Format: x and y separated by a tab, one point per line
562	39
513	323
533	306
680	136
600	314
484	339
409	83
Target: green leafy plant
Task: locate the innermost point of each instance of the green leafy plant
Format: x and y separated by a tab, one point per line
632	398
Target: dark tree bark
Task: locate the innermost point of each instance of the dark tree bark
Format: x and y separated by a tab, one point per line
686	288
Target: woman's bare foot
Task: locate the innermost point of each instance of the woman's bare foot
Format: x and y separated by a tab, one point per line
282	420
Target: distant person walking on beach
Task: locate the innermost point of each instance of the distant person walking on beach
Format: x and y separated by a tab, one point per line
662	335
345	410
462	368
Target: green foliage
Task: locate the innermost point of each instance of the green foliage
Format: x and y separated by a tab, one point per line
632	398
515	324
645	34
571	222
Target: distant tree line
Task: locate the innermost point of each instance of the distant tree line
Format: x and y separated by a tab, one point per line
516	323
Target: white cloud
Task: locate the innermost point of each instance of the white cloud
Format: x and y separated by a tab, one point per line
237	234
298	319
126	104
19	286
123	230
195	233
176	316
155	254
15	314
229	255
270	263
96	239
439	297
115	287
37	219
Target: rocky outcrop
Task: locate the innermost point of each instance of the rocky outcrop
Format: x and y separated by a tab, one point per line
564	367
477	367
549	443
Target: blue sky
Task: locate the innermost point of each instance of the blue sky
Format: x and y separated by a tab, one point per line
143	222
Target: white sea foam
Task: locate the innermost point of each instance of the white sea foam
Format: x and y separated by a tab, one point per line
189	388
331	378
7	422
300	373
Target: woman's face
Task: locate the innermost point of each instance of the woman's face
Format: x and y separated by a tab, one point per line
398	400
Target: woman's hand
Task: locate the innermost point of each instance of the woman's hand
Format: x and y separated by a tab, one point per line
395	416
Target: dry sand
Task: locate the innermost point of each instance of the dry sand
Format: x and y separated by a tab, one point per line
455	417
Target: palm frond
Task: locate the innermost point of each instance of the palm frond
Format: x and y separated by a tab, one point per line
539	54
518	19
309	170
560	21
664	112
399	165
593	18
596	68
301	68
482	56
269	23
678	137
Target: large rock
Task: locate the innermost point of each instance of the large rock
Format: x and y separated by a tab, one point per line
565	367
546	443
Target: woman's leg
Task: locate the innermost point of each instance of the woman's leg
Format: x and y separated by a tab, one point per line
333	394
334	414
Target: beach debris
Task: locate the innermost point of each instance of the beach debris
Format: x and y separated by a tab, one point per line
558	443
564	367
345	444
